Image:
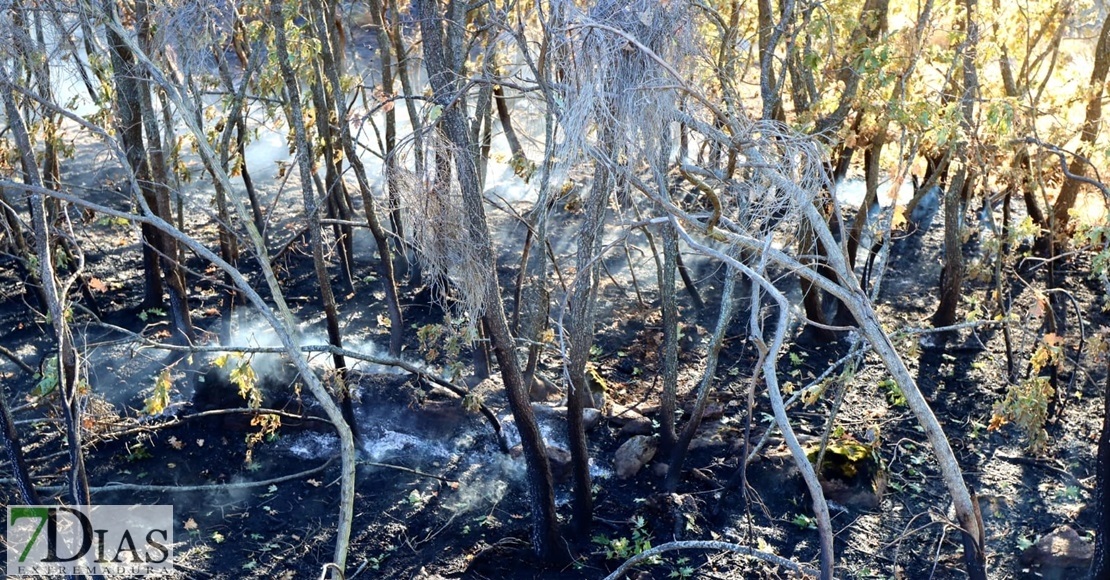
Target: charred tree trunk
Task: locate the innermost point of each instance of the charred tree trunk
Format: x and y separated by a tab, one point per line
333	190
963	184
338	105
130	134
400	245
1069	191
160	268
870	198
811	295
169	254
312	208
15	226
13	448
445	86
667	402
1100	565
13	452
873	17
234	125
769	35
682	446
582	303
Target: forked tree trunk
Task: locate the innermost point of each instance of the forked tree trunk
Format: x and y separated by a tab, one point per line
682	446
337	104
312	211
172	272
963	184
160	255
443	79
582	304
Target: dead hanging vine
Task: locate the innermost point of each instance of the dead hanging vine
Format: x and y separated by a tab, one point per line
779	183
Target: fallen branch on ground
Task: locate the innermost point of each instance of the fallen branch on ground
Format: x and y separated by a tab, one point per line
189	488
711	545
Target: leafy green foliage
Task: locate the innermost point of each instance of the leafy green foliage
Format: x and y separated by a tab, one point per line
623	548
804	522
894	394
1026	406
48	380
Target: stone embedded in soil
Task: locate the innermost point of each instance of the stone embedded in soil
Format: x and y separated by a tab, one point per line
559	458
641	426
542	389
560	463
591	417
863	494
619	414
705	440
633	455
1059	553
712	412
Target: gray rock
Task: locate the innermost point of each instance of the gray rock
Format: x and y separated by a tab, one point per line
1059	554
559	458
641	426
705	440
591	417
542	389
713	411
561	468
633	455
619	414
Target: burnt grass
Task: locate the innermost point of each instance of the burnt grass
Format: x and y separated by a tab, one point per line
465	513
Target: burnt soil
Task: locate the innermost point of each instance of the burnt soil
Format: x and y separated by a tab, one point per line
465	513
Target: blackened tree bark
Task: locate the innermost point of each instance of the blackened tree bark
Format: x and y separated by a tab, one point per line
311	204
234	124
963	182
385	54
1100	565
1069	191
669	356
682	445
337	105
159	196
445	88
160	253
13	447
13	452
583	301
873	19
